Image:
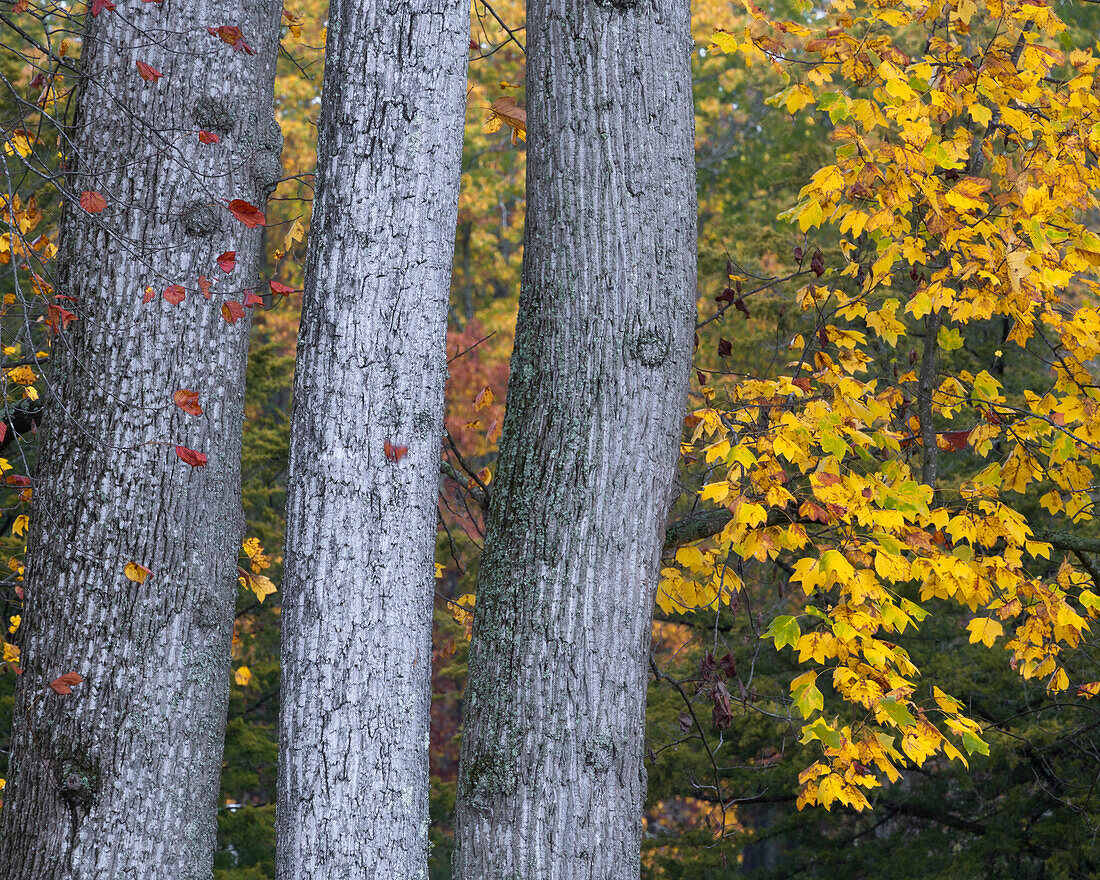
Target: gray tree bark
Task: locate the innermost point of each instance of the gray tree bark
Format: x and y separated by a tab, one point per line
366	429
119	779
552	783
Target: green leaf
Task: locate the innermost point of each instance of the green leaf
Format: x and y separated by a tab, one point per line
973	743
785	630
820	730
897	712
949	338
807	698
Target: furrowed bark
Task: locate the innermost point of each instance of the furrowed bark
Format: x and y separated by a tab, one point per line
366	430
552	782
119	779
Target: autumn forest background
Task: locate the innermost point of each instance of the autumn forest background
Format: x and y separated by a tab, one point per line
725	743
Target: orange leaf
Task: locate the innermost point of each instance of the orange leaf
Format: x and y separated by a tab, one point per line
504	111
188	401
64	684
208	137
204	286
248	214
175	294
395	453
92	202
191	457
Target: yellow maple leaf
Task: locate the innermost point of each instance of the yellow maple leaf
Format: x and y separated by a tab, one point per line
984	630
484	399
23	375
462	611
135	572
20	141
259	584
505	112
297	233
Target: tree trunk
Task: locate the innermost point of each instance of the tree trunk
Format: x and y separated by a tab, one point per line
366	429
120	778
552	783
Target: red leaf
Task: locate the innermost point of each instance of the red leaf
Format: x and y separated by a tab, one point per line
956	440
150	294
232	311
64	684
249	215
188	401
174	294
232	35
3	434
21	480
227	262
149	74
204	286
92	202
208	137
395	453
250	299
191	457
99	5
57	318
277	287
19	592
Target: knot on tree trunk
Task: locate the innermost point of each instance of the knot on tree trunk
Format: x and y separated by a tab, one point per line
77	783
649	345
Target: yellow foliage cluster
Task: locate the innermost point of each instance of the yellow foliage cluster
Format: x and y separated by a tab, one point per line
964	165
258	561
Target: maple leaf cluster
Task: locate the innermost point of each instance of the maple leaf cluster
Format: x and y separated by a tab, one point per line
959	190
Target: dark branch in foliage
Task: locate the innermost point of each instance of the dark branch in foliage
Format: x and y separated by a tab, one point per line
19	421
